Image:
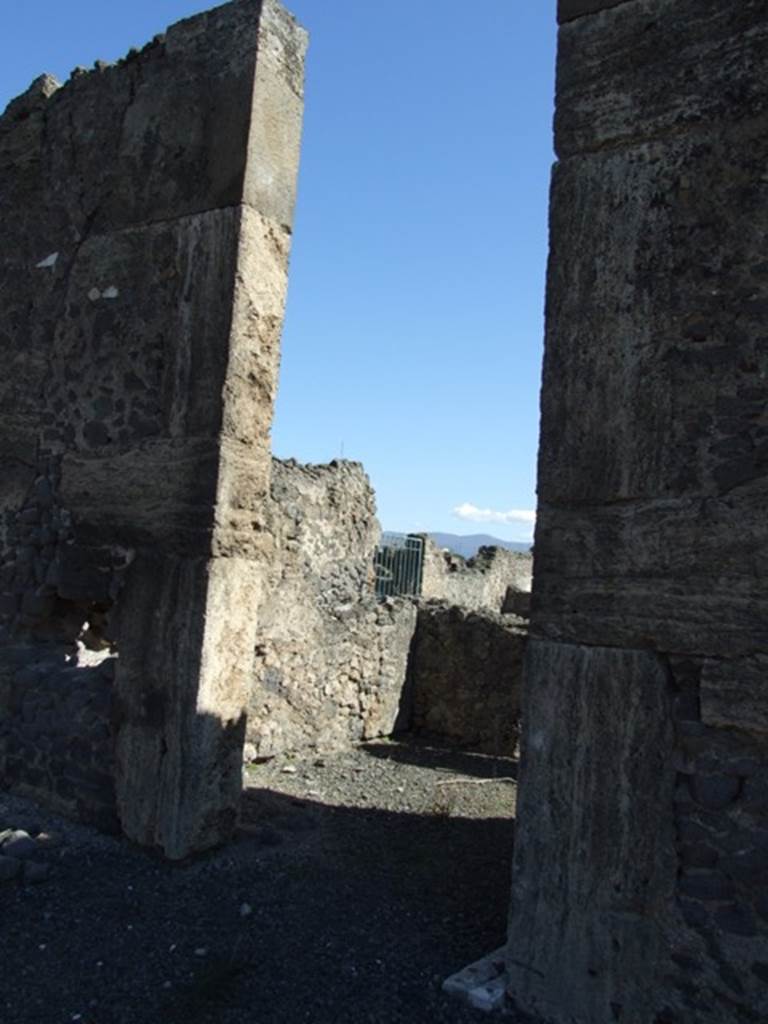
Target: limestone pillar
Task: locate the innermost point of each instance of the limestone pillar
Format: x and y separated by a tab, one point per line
642	844
146	210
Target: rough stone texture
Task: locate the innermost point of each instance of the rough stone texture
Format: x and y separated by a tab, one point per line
480	582
330	659
465	674
567	10
482	984
56	743
641	850
594	858
146	212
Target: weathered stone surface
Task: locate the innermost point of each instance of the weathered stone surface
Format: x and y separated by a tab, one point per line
734	693
146	212
594	849
330	659
56	741
465	677
613	572
642	815
479	582
650	69
335	666
481	984
652	329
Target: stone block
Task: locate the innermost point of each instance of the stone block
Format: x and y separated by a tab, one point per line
147	210
481	984
649	613
655	69
594	847
714	791
734	693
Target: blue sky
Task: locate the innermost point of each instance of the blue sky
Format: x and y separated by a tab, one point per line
415	316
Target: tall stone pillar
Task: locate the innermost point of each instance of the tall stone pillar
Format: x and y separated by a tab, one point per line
641	860
146	211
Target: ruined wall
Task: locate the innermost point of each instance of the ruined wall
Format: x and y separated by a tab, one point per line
478	582
146	211
330	659
641	854
56	742
465	672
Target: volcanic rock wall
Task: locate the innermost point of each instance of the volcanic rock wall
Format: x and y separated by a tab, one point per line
330	659
146	211
641	857
335	666
465	675
56	741
479	582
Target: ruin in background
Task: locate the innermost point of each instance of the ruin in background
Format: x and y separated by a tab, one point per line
336	665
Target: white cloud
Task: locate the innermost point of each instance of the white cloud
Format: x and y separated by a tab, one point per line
488	515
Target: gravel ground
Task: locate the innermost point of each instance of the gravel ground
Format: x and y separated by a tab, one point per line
358	883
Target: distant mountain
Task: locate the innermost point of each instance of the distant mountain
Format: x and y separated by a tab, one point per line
467	546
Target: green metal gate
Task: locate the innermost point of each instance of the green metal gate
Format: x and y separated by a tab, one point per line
399	564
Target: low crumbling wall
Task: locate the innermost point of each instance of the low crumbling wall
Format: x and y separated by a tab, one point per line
330	659
343	688
334	665
484	581
465	674
56	742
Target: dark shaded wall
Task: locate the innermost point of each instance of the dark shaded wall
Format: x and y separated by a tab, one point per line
56	738
464	676
641	860
146	215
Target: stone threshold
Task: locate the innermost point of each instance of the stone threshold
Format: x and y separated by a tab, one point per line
482	984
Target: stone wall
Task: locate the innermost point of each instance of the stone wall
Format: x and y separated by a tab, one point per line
479	582
465	673
146	211
641	856
56	742
330	659
335	666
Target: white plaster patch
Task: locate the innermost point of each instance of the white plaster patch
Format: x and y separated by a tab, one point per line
88	658
49	261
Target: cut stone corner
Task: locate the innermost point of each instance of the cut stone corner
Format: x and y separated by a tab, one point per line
482	984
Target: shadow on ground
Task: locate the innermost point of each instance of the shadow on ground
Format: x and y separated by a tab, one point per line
317	913
429	752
